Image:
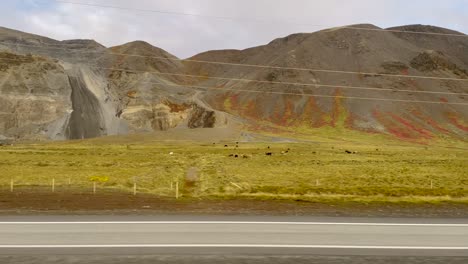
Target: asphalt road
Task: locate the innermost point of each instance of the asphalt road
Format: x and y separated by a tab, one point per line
255	237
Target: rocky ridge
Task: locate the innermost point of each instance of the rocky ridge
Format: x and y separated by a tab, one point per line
78	89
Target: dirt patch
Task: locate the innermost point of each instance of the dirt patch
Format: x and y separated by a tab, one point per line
176	108
395	67
75	202
11	59
433	61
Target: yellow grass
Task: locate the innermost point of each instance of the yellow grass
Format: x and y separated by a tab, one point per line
310	171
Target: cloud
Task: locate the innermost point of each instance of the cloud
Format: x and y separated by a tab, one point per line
258	21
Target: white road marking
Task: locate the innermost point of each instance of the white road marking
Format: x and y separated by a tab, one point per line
230	223
235	246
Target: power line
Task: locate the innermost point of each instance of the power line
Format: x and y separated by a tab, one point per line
283	83
312	85
249	65
252	19
287	93
304	94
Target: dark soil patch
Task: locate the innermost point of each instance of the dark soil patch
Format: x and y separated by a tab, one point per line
432	61
73	202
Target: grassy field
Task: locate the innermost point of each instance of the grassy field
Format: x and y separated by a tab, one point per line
309	171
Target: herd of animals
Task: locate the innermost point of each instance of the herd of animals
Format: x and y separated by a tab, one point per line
268	153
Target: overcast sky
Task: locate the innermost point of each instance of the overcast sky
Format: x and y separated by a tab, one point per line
255	22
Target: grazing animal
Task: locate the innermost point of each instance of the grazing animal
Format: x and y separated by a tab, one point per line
236	156
231	155
245	156
348	152
269	154
226	146
171	153
268	147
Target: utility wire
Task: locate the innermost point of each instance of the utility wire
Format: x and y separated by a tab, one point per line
310	85
302	94
284	93
282	83
251	19
106	52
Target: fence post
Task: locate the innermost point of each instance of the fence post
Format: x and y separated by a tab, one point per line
53	185
134	188
94	187
177	190
69	182
11	185
317	182
432	185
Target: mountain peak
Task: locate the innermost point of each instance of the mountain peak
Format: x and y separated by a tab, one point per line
88	43
140	47
425	28
16	36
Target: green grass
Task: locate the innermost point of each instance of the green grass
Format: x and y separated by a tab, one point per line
398	172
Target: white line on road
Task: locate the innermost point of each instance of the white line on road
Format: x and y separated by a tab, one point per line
234	246
229	223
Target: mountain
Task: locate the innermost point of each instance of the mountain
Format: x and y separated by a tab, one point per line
80	89
358	78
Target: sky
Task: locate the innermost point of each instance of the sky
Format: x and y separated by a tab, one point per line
246	23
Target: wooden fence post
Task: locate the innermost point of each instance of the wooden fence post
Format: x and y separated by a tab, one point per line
11	185
53	185
177	190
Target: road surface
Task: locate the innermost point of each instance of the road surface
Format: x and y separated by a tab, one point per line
233	236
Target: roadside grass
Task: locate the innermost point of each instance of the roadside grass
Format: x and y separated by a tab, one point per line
380	171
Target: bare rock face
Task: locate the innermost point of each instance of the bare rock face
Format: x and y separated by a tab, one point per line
202	118
164	116
158	117
78	89
34	97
